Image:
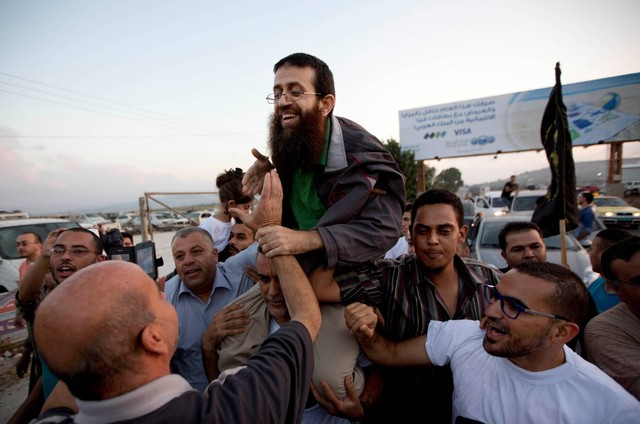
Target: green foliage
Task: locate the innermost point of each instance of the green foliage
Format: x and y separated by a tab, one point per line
429	176
408	165
449	179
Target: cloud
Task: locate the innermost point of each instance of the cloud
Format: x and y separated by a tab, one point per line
62	183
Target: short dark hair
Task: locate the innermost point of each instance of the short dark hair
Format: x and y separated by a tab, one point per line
126	234
623	249
588	196
35	235
97	241
570	299
436	196
323	83
515	227
408	207
612	235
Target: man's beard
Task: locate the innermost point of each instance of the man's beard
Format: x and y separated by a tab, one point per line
299	147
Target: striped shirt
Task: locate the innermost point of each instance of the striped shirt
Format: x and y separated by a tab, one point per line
408	301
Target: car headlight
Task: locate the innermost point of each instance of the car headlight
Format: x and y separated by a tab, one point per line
608	214
636	214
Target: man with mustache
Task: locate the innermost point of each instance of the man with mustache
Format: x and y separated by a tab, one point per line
201	288
344	194
514	365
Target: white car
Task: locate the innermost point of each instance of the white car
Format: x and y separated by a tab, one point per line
198	217
524	202
483	240
490	204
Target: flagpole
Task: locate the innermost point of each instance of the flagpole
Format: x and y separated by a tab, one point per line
563	242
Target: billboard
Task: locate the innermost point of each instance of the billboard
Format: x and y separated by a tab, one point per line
599	111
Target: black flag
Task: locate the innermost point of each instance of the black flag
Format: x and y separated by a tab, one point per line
560	201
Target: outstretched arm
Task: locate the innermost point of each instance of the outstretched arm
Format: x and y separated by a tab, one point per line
361	320
33	280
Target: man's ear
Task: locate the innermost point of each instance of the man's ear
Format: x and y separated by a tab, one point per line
326	104
152	339
566	331
504	255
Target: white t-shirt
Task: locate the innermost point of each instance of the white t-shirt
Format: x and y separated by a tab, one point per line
220	231
491	389
400	248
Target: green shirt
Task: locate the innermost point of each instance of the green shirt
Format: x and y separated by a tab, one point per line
305	202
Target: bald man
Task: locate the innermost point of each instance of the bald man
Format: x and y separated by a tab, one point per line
115	356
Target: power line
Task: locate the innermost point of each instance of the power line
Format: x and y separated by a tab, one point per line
177	121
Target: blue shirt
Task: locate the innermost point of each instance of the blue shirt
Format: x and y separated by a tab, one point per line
194	315
586	217
602	299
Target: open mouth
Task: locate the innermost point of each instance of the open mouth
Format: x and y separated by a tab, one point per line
65	271
495	332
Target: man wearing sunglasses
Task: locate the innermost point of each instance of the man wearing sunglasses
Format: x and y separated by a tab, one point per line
613	337
513	366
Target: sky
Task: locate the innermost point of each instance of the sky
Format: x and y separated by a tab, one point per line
102	101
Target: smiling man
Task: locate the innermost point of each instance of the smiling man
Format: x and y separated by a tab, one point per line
344	193
201	288
431	283
514	365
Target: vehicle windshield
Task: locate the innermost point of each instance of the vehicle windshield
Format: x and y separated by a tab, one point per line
468	209
609	201
492	229
498	202
524	203
8	235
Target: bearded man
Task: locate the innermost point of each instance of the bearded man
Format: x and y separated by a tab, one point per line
344	194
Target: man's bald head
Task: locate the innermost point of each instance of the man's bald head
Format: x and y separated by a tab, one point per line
102	330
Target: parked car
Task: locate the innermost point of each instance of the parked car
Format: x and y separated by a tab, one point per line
524	202
198	217
483	240
612	210
490	204
91	220
10	259
632	188
125	218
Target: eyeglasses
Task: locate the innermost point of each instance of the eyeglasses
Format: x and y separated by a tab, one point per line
74	252
512	307
293	95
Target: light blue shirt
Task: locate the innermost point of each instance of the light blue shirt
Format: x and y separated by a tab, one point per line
194	315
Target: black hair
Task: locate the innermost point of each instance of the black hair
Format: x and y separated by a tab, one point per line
435	196
515	227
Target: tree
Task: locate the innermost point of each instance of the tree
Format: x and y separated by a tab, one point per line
449	179
408	165
429	176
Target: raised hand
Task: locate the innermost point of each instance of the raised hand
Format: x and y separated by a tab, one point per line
253	178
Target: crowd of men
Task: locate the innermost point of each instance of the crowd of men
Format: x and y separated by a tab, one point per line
311	323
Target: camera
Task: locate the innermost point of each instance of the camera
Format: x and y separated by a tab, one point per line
143	254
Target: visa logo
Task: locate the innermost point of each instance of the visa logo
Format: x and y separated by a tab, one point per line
463	131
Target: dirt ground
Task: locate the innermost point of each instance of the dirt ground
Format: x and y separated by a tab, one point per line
13	390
